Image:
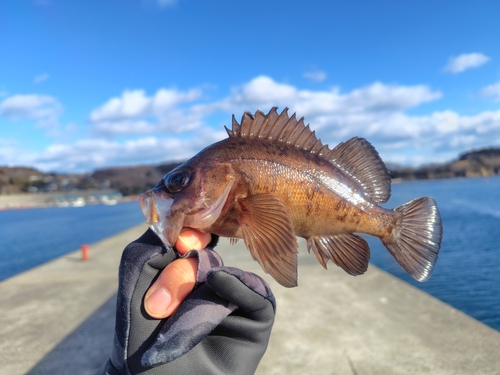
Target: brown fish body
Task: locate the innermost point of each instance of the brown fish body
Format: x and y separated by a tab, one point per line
272	180
302	182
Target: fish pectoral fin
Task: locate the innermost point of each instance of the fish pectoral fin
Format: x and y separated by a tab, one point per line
348	251
268	234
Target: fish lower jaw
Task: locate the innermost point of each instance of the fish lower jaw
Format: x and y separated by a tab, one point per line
156	208
160	230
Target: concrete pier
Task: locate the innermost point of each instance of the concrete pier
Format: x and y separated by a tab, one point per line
59	318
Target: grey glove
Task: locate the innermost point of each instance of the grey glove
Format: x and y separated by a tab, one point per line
222	327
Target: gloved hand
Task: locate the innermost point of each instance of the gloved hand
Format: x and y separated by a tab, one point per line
222	327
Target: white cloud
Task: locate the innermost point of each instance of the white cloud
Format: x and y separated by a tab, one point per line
13	154
174	112
315	75
397	136
445	127
263	92
375	111
492	90
136	113
41	78
134	104
378	113
90	154
381	97
175	122
135	128
44	109
458	64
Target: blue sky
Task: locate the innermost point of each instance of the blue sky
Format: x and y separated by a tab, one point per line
97	83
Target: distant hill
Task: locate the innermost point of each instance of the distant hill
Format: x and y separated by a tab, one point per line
137	179
15	180
133	180
484	162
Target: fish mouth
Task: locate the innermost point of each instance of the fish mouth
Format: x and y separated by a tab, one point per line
167	223
156	207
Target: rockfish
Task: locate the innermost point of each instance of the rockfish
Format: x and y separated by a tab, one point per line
273	180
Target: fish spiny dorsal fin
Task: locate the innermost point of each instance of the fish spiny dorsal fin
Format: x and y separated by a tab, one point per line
269	124
247	121
277	127
235	130
359	159
258	125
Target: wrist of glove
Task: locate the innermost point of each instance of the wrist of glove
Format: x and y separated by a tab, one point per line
222	327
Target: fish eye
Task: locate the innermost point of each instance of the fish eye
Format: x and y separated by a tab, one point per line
176	181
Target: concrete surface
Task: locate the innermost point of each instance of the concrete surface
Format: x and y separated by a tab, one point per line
59	318
41	307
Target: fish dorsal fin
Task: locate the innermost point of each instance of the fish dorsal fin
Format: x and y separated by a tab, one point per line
359	159
356	157
277	127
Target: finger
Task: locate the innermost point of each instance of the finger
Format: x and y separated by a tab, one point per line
173	285
191	239
178	279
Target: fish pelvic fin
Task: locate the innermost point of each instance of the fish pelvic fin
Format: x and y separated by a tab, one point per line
415	243
359	159
348	251
268	234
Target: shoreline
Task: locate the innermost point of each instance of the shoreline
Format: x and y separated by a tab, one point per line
71	198
78	198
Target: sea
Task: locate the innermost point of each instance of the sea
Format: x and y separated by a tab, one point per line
467	274
30	237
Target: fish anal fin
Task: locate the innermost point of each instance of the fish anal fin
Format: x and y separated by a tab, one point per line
268	233
359	159
321	256
348	251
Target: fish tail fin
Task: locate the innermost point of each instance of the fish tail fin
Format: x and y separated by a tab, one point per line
415	242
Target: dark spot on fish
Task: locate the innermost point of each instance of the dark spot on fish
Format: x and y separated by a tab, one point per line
247	177
309	207
341	211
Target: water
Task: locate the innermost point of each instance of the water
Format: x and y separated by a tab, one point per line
467	275
35	236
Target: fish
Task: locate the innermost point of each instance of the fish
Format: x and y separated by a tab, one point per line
273	180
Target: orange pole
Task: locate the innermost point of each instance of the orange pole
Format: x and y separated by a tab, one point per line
85	252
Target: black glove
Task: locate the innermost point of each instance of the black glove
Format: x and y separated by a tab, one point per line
222	327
